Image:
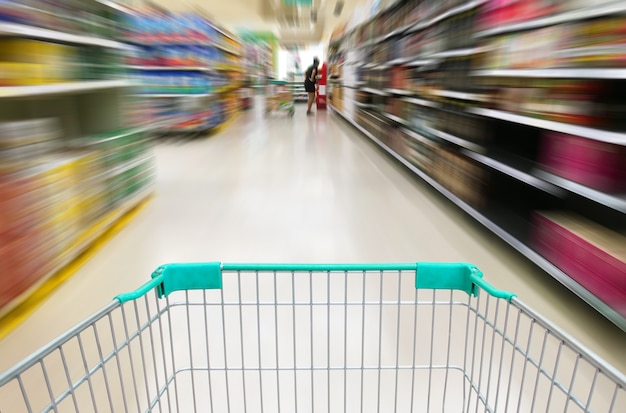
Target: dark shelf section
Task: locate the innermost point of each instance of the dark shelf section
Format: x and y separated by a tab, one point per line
507	223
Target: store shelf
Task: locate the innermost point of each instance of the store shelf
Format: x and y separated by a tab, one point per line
583	131
445	15
229	68
464	143
565	73
521	172
498	230
422	102
452	94
418	137
84	241
616	202
88	141
400	61
397	119
128	165
177	95
421	62
227	50
21	30
462	52
414	27
374	91
399	92
61	88
581	14
227	89
173	68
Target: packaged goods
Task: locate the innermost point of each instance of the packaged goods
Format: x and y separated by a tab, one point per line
592	163
592	255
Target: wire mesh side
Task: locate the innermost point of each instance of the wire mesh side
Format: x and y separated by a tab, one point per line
518	362
119	360
320	342
314	342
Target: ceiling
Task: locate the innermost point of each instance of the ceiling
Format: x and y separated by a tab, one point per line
291	24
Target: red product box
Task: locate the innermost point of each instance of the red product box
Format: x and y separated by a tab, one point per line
592	163
592	255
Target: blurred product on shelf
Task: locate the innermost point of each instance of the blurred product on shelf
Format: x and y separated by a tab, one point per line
157	27
594	256
508	12
598	165
54	191
163	82
70	16
186	68
177	56
26	62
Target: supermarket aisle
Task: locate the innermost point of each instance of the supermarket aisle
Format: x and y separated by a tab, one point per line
307	189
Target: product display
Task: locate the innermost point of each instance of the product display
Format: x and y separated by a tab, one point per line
594	256
55	190
505	106
595	164
72	163
186	68
67	16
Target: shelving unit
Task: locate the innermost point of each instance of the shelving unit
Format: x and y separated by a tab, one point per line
74	156
191	80
436	96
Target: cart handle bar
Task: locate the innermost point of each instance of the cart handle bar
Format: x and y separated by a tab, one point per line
428	275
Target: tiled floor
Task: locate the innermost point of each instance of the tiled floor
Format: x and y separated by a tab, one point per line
302	189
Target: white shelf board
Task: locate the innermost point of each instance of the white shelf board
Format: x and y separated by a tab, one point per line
21	30
475	97
564	73
173	68
400	92
462	52
61	88
613	201
397	119
583	131
374	91
421	102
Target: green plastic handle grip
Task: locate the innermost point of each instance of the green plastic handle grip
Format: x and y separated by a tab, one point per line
194	276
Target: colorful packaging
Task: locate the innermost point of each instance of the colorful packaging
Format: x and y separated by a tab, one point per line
592	163
592	255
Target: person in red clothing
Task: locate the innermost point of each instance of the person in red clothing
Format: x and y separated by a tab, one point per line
309	83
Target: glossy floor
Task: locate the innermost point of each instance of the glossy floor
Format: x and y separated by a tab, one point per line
302	189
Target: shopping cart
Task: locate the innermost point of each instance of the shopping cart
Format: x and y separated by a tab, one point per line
314	338
279	99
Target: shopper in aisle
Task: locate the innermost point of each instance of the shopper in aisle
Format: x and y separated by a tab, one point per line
309	83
